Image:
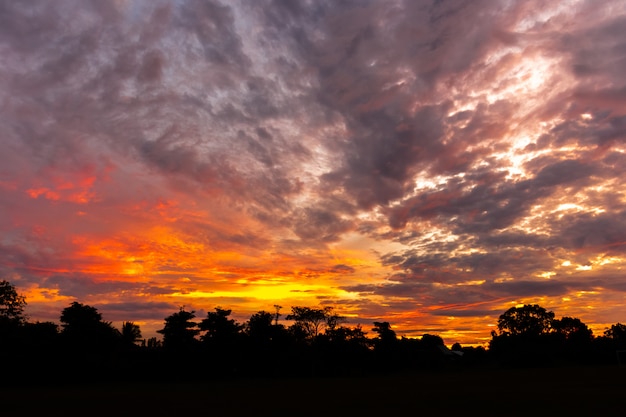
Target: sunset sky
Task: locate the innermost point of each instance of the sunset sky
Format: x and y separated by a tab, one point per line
430	163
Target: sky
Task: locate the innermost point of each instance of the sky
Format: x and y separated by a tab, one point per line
430	163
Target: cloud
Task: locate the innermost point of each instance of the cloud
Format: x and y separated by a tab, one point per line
427	156
130	311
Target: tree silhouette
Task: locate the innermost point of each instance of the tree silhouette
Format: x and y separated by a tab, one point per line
222	342
333	319
79	318
316	344
11	317
347	334
277	314
352	341
311	321
385	346
617	334
11	304
179	331
131	333
572	329
616	331
267	344
528	320
531	336
431	341
42	333
219	328
82	326
259	327
385	334
153	343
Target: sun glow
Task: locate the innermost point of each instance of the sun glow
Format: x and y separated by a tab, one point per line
263	291
547	275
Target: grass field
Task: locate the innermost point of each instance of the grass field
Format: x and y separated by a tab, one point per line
520	392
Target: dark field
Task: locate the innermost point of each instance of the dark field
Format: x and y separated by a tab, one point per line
520	392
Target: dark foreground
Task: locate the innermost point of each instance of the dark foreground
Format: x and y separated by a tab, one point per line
599	391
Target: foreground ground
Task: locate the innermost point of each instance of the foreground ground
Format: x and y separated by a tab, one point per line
520	392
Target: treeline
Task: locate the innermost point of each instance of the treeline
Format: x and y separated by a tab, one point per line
316	343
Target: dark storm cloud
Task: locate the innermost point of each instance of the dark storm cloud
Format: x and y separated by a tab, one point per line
610	282
213	25
601	232
343	269
602	131
441	268
495	205
376	88
522	288
409	289
23	251
598	51
321	225
82	286
421	291
113	80
129	311
383	159
390	143
463	312
387	146
336	270
498	204
357	76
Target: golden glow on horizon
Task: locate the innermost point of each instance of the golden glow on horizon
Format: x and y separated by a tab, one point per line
472	283
264	290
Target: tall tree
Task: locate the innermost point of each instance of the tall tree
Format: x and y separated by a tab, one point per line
572	329
343	334
431	341
385	334
617	334
528	320
79	317
180	331
616	331
11	317
219	328
83	327
386	346
311	321
277	314
131	333
259	327
11	303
